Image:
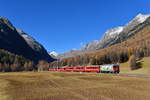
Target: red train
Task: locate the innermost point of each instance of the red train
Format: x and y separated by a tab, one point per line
113	68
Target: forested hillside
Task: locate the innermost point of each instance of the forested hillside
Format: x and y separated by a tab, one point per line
11	62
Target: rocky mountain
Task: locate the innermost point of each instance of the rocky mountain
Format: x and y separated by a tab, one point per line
110	37
18	42
70	53
107	38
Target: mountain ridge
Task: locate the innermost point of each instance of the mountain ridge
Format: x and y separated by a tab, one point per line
110	37
18	42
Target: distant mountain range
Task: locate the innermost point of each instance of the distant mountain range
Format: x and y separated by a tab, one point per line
110	37
18	42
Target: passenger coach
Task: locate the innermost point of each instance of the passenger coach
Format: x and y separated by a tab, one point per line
111	68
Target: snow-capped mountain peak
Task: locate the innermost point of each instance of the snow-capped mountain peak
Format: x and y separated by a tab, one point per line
53	53
111	34
141	18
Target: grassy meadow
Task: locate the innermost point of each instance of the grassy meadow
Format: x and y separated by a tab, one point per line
72	86
143	64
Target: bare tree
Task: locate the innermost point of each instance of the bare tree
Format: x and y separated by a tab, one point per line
132	62
43	65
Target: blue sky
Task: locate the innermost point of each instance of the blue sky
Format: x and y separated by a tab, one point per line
61	25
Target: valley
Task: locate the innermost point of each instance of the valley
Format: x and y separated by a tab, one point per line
75	50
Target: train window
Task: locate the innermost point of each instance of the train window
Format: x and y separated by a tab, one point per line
88	67
115	66
92	67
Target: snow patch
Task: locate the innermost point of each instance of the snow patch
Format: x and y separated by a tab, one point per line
113	31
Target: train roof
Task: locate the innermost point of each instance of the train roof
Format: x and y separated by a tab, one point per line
109	65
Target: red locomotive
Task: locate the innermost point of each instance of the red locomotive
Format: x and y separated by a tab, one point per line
112	68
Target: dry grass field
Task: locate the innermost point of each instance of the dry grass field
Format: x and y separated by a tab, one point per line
72	86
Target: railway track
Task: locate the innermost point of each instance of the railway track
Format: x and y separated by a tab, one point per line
135	75
142	75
